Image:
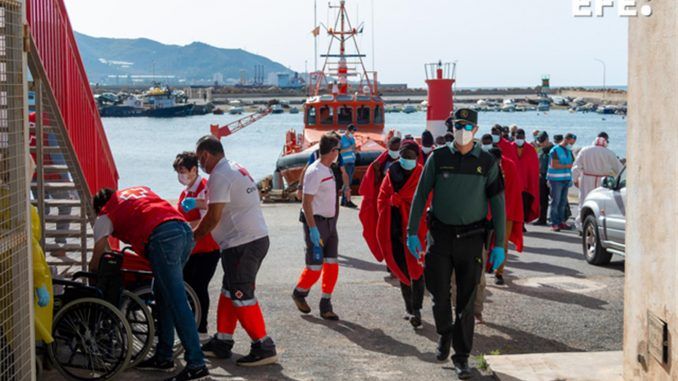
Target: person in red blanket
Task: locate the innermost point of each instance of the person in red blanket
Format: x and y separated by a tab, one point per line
499	141
514	208
393	204
528	168
369	189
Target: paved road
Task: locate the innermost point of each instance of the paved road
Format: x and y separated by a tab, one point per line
553	302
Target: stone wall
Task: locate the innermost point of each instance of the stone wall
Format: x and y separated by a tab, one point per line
652	212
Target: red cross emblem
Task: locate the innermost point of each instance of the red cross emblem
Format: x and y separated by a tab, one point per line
133	193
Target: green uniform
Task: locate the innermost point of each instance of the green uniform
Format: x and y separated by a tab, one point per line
462	188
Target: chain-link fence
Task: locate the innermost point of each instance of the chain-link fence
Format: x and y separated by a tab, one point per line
16	314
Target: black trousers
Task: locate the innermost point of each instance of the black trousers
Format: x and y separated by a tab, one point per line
413	295
198	273
241	265
447	253
543	198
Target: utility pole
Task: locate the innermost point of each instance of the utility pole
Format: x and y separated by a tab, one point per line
604	70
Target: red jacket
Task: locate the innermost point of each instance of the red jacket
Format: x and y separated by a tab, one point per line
368	214
527	163
135	212
207	244
508	150
402	200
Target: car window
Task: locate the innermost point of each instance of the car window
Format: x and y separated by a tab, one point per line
622	180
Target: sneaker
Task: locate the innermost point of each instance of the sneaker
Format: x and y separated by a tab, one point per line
462	370
540	223
479	318
351	205
261	353
156	365
415	320
555	228
218	348
499	280
565	226
204	337
300	301
443	347
191	374
326	311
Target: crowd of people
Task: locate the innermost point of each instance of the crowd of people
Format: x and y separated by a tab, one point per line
439	211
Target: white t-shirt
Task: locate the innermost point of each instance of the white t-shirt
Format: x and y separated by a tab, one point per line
242	220
319	182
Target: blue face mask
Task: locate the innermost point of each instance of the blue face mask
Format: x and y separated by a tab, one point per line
569	146
520	142
495	139
487	147
394	154
408	164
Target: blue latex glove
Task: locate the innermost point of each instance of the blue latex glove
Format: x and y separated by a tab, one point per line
188	204
414	245
314	235
497	257
43	296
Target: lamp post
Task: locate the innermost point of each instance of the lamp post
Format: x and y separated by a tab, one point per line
604	69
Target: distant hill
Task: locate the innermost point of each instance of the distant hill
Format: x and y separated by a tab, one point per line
196	63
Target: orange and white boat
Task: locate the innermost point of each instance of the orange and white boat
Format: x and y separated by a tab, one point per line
343	92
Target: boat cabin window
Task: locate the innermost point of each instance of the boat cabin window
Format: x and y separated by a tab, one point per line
363	115
345	115
379	115
310	116
326	115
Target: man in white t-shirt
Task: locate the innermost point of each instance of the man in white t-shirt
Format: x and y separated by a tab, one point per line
319	203
235	219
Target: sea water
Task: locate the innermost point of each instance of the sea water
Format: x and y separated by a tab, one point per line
144	148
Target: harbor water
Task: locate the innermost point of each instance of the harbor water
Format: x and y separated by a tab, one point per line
144	148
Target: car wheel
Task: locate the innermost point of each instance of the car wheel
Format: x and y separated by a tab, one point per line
594	252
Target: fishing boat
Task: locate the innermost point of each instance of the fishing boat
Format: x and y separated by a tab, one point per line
162	103
409	109
333	103
277	109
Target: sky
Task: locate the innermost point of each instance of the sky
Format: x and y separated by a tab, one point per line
496	43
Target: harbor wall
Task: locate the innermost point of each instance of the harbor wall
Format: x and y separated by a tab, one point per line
651	284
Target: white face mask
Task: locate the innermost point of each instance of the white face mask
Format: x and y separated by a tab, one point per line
487	147
463	137
520	142
394	154
184	179
426	150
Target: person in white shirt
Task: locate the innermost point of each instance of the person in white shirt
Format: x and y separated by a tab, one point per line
593	163
235	219
319	204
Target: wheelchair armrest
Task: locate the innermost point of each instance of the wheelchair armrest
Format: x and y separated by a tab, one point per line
77	286
138	272
84	274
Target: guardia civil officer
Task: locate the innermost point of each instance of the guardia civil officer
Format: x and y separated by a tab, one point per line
464	179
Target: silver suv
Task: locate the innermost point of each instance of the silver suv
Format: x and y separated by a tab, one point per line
603	218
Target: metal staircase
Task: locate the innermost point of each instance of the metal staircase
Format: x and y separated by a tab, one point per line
69	147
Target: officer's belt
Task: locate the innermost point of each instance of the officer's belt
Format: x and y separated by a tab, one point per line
461	231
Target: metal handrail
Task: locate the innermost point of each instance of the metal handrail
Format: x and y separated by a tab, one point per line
51	31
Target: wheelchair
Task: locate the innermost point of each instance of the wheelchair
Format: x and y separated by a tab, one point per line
96	327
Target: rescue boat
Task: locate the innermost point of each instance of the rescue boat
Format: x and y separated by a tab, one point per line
343	92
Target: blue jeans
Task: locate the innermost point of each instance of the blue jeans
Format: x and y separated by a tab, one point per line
558	201
168	249
350	169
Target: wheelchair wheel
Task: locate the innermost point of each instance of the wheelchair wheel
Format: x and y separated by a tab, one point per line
141	322
145	293
92	340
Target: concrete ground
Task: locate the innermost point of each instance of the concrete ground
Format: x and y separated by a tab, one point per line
553	302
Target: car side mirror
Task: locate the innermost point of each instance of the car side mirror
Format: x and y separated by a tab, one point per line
609	182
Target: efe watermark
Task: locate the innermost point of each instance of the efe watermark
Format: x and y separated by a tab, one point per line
625	8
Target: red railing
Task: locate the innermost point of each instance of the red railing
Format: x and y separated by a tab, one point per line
51	31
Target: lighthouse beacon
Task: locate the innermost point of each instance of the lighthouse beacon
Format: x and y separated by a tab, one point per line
439	78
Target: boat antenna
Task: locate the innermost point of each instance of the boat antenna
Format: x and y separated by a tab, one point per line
315	35
373	55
